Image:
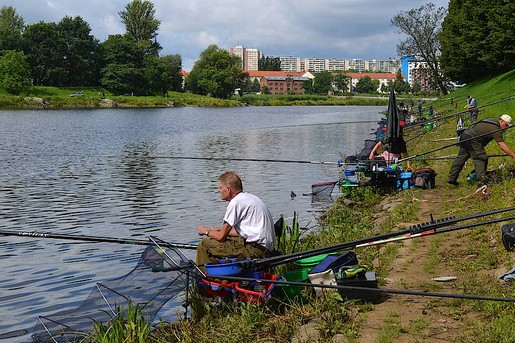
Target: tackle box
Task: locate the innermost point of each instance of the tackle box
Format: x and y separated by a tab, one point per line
365	280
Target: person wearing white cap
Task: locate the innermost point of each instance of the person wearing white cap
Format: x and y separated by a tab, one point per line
472	144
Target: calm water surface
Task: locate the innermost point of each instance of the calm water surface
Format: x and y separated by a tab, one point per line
109	173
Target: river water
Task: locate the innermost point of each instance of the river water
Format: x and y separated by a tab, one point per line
115	173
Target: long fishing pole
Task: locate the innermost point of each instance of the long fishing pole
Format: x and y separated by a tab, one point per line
240	159
450	158
432	225
369	289
96	239
453	144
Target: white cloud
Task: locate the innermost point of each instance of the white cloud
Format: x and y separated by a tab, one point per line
303	28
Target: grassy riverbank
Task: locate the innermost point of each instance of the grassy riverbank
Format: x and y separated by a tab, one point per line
95	97
475	257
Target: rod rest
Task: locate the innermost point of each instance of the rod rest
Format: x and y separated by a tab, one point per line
434	224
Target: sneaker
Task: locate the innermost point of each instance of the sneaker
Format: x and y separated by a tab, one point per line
455	183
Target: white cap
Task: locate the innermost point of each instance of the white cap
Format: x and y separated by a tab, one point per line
506	118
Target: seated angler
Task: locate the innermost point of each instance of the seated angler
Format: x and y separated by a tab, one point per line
247	228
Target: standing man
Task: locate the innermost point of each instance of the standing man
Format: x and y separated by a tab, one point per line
472	106
474	139
247	228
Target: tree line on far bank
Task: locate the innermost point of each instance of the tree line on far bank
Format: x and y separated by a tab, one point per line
471	40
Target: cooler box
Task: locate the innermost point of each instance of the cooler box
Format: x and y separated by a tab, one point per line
404	181
367	280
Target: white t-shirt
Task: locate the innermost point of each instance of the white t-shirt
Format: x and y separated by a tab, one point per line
251	219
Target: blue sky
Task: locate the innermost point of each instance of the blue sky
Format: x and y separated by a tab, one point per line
302	28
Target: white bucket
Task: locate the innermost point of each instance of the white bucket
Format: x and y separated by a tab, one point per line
322	278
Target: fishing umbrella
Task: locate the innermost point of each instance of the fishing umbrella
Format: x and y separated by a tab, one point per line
393	123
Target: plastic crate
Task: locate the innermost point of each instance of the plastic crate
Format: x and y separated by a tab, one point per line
256	292
217	289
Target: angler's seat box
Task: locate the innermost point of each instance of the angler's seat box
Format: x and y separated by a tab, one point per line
367	280
404	181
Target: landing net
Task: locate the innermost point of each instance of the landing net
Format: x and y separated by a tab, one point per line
158	277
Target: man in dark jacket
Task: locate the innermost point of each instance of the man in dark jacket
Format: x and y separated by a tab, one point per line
485	130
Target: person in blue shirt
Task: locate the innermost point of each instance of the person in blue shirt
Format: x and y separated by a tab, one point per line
472	107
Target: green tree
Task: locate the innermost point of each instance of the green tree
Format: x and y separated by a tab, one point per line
173	69
215	73
322	83
478	39
341	82
11	29
400	85
123	71
14	71
45	48
269	63
141	24
366	85
81	59
422	26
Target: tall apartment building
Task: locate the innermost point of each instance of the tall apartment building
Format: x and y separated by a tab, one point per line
249	57
418	73
358	65
334	64
386	66
316	65
291	63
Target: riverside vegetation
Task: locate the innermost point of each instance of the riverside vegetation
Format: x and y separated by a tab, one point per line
474	256
96	97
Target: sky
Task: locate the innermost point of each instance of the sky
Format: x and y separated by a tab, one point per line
346	29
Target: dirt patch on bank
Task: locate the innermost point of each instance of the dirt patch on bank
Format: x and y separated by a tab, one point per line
416	318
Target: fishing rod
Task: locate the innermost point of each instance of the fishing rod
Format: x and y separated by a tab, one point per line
453	144
369	289
96	239
240	159
450	158
427	121
414	229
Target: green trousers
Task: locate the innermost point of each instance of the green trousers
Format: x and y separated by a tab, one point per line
210	249
473	149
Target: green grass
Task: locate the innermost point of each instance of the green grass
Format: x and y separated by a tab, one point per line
55	97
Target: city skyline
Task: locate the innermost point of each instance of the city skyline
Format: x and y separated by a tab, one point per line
348	29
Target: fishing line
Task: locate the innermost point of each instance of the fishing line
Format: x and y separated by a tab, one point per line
321	124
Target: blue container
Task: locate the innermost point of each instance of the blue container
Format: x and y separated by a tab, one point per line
349	172
226	266
404	181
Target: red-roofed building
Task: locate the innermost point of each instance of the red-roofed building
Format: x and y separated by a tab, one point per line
280	82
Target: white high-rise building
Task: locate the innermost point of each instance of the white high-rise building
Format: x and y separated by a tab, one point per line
334	64
249	57
291	63
316	65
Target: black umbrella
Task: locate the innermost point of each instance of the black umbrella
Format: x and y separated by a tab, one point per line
393	125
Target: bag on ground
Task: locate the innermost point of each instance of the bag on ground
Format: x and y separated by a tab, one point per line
508	236
424	178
